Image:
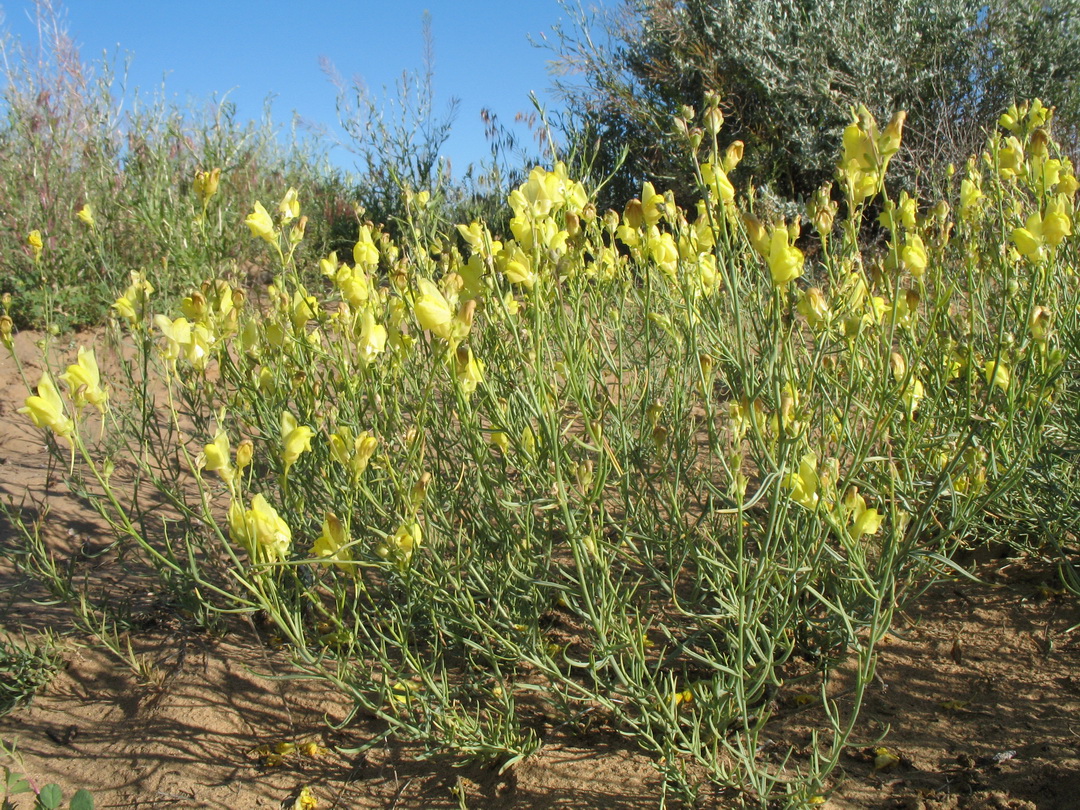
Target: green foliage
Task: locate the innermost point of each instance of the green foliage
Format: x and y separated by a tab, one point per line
24	669
66	142
789	72
396	139
660	470
47	797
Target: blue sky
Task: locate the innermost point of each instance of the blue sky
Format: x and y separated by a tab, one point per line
252	50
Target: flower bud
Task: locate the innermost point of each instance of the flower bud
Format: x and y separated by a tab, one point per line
244	453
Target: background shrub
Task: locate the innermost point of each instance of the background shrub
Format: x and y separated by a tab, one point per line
789	72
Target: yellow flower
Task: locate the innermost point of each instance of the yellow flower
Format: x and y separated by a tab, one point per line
332	545
864	521
206	184
785	261
1057	224
372	340
996	374
86	214
884	759
822	210
432	309
244	453
131	306
46	410
1039	323
733	156
475	236
913	255
295	439
908	210
1010	158
401	544
33	239
289	207
664	253
85	382
303	309
469	371
717	183
913	396
305	800
970	196
540	194
814	308
867	154
260	530
261	224
804	483
515	263
1041	230
499	439
652	204
365	252
184	340
354	453
217	457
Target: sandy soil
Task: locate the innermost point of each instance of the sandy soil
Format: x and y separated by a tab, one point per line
977	696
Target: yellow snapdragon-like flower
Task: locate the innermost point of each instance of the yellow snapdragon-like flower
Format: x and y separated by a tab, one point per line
402	544
217	457
261	224
83	379
1010	157
295	440
867	154
46	410
86	214
970	196
132	305
822	210
1043	231
538	195
804	483
476	237
516	264
177	336
997	373
365	251
289	207
353	452
815	308
913	255
664	252
372	338
913	395
468	370
33	239
864	521
260	530
652	204
432	309
332	546
1039	323
784	259
182	340
206	184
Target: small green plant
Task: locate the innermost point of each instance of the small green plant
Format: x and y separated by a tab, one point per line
47	797
24	669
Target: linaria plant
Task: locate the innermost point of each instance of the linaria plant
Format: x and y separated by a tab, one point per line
669	470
